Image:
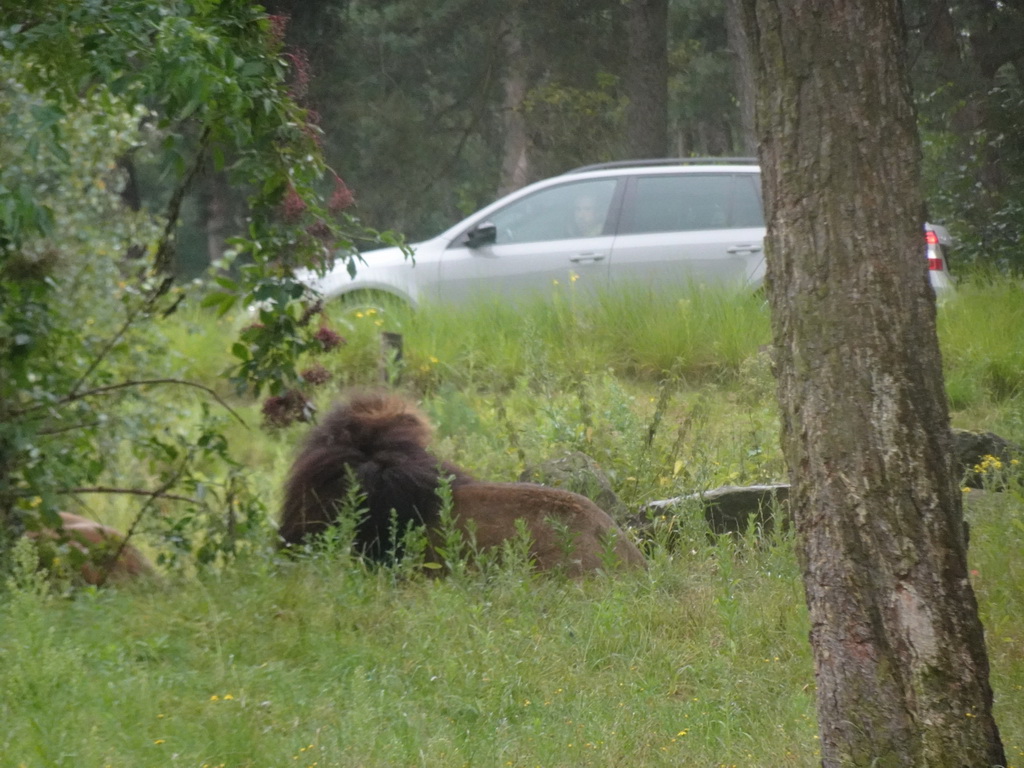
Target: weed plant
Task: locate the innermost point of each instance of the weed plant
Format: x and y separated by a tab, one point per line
703	660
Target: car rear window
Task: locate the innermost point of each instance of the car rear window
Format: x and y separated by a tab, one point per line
690	202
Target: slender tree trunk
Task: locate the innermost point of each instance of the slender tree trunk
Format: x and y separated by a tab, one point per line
515	166
217	197
10	521
900	659
743	75
647	79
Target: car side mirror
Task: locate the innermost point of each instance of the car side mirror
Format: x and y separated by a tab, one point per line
484	233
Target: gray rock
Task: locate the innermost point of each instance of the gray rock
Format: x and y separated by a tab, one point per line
731	508
971	448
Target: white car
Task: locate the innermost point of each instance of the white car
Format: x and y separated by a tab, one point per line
938	244
663	223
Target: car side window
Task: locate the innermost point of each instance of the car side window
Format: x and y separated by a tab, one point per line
577	209
747	209
689	202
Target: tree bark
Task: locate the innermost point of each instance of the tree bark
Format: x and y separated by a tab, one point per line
900	659
218	205
515	165
647	79
743	75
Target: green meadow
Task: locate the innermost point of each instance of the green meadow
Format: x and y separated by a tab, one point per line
239	657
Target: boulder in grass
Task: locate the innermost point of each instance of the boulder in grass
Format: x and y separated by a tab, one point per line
731	508
974	452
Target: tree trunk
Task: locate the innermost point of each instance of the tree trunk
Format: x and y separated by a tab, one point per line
743	75
647	79
218	205
900	659
515	166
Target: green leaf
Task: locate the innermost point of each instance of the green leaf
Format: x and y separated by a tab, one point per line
241	351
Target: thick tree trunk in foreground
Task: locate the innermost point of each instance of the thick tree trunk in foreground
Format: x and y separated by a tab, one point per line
900	659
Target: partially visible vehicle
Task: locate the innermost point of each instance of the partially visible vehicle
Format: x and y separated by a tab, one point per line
661	223
938	245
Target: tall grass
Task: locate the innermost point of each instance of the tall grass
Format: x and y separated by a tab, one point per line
982	336
701	334
703	660
700	661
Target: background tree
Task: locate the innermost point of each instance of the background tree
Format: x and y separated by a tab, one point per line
421	102
743	77
967	64
515	164
704	110
900	659
430	110
646	79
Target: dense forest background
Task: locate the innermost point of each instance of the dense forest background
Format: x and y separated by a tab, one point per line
432	108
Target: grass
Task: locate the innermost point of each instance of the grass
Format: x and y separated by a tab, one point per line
703	660
312	664
982	335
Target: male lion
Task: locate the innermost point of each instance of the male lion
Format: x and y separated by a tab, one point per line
380	441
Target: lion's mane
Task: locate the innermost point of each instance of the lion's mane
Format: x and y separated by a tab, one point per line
379	441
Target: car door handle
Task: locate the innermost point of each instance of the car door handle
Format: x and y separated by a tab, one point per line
744	249
588	258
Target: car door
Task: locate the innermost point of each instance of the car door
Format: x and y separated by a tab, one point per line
555	237
690	228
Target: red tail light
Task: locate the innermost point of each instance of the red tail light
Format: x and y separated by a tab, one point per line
930	237
935	264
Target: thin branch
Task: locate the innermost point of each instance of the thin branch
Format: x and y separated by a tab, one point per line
153	494
68	428
159	493
125	385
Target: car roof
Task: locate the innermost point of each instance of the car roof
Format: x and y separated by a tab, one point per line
745	162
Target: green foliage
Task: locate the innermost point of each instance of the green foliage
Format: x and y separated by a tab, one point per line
87	90
970	99
417	120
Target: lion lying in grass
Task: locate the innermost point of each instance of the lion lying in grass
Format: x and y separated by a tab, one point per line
380	442
105	556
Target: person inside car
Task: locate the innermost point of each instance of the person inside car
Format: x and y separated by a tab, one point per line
587	220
